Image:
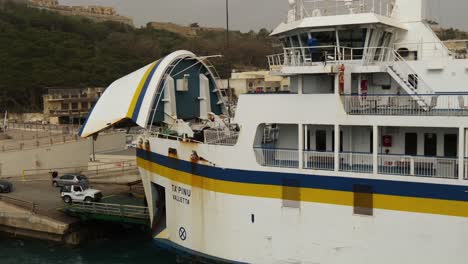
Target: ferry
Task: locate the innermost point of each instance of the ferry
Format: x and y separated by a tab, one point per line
363	161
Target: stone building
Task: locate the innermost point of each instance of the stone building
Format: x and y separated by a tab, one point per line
256	82
187	31
96	13
65	106
45	3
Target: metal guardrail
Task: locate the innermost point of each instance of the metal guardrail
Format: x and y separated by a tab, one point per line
455	49
466	169
92	171
319	8
277	157
318	55
434	167
37	143
319	160
221	137
418	166
439	105
356	162
127	211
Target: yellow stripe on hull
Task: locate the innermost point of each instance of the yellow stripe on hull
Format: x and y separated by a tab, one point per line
388	202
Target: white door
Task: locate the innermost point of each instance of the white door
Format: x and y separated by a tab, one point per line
77	193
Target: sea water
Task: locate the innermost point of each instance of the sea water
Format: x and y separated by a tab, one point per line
125	247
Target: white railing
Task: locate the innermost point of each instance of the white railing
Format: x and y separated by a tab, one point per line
438	105
318	8
221	137
417	166
276	61
356	162
456	49
319	160
409	75
303	56
466	169
283	158
318	55
394	165
435	167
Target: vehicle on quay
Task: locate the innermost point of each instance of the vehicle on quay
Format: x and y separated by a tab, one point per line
364	160
70	179
80	193
5	186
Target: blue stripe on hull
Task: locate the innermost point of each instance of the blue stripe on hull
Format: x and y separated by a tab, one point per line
385	187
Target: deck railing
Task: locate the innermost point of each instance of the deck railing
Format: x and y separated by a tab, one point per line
439	105
319	160
318	55
402	165
435	167
319	8
356	162
221	137
466	169
456	49
284	158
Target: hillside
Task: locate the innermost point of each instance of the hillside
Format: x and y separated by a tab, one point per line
42	49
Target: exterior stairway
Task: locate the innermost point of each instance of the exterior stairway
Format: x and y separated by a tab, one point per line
410	81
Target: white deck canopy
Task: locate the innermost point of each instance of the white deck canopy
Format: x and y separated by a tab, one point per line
132	97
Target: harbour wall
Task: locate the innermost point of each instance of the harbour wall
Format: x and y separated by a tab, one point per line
109	143
63	155
21	222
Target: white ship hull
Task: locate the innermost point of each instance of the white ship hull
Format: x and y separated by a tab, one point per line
247	222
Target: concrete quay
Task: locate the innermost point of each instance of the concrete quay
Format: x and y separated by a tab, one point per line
33	210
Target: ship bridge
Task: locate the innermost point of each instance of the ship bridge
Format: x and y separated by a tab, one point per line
371	47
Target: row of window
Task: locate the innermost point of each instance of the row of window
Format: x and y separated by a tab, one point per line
74	106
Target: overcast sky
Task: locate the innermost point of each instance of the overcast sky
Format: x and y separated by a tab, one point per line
247	14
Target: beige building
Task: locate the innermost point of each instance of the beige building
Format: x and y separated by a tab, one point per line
65	106
97	13
187	31
256	82
45	3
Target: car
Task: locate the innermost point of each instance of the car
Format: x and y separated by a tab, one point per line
70	179
80	193
5	187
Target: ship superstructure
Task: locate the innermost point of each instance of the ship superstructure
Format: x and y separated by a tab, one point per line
363	162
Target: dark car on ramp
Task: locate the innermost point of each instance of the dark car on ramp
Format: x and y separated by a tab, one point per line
5	187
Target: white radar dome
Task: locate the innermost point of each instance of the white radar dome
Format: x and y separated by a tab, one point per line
292	2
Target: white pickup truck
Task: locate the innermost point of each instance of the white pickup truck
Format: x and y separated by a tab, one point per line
72	193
